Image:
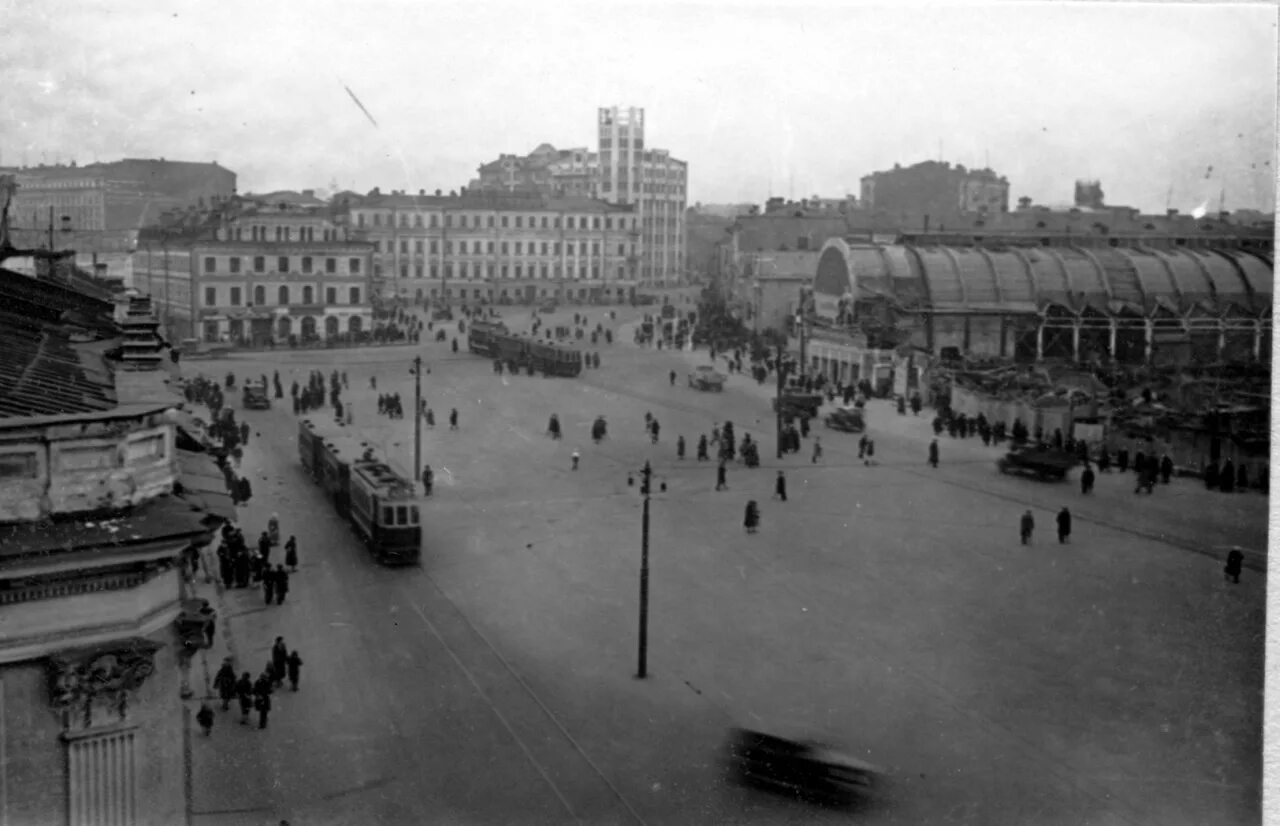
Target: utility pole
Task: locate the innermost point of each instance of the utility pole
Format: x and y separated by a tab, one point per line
417	419
777	402
802	321
642	668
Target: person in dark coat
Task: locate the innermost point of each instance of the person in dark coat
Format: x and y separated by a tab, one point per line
1166	468
679	447
1026	527
862	446
291	553
244	692
1086	480
653	431
453	419
269	584
1235	562
242	569
225	683
780	486
1211	476
205	718
933	453
282	584
1227	477
1122	459
751	520
226	568
1064	525
1104	460
263	704
870	458
702	448
279	660
721	474
294	667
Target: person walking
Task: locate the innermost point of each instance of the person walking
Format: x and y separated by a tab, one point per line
282	584
431	417
653	431
780	486
1086	480
1166	468
862	446
205	718
679	447
871	453
263	704
453	419
279	661
428	479
269	583
291	554
751	520
294	666
244	692
673	378
1064	526
721	475
1027	526
1235	562
703	456
225	683
576	457
817	449
933	453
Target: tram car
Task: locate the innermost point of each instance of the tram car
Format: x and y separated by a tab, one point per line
537	356
378	502
482	337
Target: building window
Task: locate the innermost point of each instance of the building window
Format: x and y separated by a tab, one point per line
235	264
504	247
519	221
417	270
404	220
259	295
490	221
210	296
209	264
608	223
622	249
435	247
354	295
282	296
569	222
377	219
331	295
595	247
462	247
353	266
259	263
462	269
504	221
306	263
235	296
282	264
519	247
448	248
404	270
595	271
308	295
359	219
435	221
544	270
544	247
417	246
404	246
331	265
490	270
519	271
490	247
435	271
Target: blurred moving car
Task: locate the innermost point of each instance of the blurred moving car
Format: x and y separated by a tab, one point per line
1041	462
800	768
256	397
705	377
849	419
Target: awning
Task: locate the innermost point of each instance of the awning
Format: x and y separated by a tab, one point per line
205	486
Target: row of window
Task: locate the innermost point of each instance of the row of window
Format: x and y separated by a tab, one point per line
505	271
284	233
283	296
505	221
504	247
307	264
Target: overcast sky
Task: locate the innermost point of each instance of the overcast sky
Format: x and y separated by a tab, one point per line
760	99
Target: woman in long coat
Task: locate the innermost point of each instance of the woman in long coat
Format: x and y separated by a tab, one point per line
751	520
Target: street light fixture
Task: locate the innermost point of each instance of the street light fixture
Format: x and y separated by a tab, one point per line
646	485
417	419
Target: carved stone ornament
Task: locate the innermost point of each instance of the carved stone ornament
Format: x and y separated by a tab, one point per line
93	685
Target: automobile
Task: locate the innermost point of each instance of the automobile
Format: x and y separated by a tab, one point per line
256	397
804	769
796	402
547	307
1042	463
443	314
705	377
848	419
646	300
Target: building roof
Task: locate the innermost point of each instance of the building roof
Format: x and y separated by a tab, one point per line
41	372
204	485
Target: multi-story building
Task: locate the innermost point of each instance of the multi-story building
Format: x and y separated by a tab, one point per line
259	273
499	247
98	209
95	657
655	183
622	171
935	188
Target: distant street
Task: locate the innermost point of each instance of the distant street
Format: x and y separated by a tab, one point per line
889	610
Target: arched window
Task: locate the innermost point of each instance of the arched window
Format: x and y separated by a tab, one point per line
282	296
259	295
308	295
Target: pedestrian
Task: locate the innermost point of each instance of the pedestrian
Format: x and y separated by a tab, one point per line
680	447
817	449
205	718
1064	525
702	448
244	691
428	480
721	474
294	666
1086	480
279	661
225	683
1166	468
431	417
933	453
263	704
575	458
871	453
653	431
1235	561
453	419
673	378
282	584
291	554
1027	525
751	520
269	583
780	486
862	446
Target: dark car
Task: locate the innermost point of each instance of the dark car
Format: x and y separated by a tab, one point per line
444	314
256	397
849	419
1042	463
799	768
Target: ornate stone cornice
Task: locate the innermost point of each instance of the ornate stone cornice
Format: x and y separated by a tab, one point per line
91	686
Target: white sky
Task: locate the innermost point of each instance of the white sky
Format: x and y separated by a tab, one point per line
759	99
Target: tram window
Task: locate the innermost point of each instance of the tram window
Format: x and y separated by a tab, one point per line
402	515
388	516
413	512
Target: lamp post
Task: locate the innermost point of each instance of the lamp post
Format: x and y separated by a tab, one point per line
417	420
646	487
777	402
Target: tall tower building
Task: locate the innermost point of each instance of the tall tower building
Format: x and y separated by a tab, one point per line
651	180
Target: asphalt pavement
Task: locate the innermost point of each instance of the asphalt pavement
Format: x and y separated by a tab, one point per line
888	609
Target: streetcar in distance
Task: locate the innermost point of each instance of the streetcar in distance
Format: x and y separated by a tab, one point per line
378	502
493	340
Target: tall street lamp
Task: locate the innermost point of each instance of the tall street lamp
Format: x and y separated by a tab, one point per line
417	419
646	485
